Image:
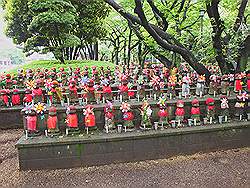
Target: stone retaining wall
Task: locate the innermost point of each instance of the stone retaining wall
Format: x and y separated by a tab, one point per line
89	150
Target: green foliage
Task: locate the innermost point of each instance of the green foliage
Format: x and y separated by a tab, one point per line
17	12
55	25
193	30
52	21
90	19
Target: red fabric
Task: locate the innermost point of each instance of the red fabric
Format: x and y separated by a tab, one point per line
209	100
123	88
90	120
51	122
248	84
162	113
37	92
238	85
131	93
91	89
72	121
16	99
195	111
109	115
31	123
127	116
180	112
8	81
210	107
27	98
5	99
73	89
53	90
106	89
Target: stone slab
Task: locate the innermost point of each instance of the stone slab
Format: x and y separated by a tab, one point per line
100	149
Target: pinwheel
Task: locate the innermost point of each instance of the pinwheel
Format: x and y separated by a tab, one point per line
155	81
243	96
162	101
125	107
30	84
140	80
28	108
40	108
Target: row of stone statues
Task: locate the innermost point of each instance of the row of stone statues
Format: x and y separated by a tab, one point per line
97	85
54	94
33	113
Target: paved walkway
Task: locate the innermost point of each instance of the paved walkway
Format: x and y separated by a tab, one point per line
218	169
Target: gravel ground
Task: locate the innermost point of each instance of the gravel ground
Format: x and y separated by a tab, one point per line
217	169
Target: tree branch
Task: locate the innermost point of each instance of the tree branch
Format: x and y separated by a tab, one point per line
163	39
240	15
159	14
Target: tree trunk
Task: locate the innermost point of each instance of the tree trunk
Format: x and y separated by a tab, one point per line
163	39
129	46
244	54
96	51
218	28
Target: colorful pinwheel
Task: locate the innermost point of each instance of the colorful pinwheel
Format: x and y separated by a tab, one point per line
30	84
162	101
40	108
125	107
155	81
243	96
28	109
140	80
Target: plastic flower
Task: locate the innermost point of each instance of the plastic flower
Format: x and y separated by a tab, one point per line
130	85
140	80
40	108
84	80
48	84
239	105
213	78
149	111
224	103
243	75
125	107
162	101
104	82
28	108
172	79
231	76
88	110
30	84
202	78
162	84
155	81
109	105
243	96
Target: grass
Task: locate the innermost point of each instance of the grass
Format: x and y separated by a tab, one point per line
53	63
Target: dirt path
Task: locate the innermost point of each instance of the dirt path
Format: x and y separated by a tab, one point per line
218	169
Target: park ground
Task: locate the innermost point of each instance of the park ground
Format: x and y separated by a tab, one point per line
216	169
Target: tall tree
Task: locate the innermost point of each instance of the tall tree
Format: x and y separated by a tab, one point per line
63	27
17	12
220	43
90	25
50	28
159	32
